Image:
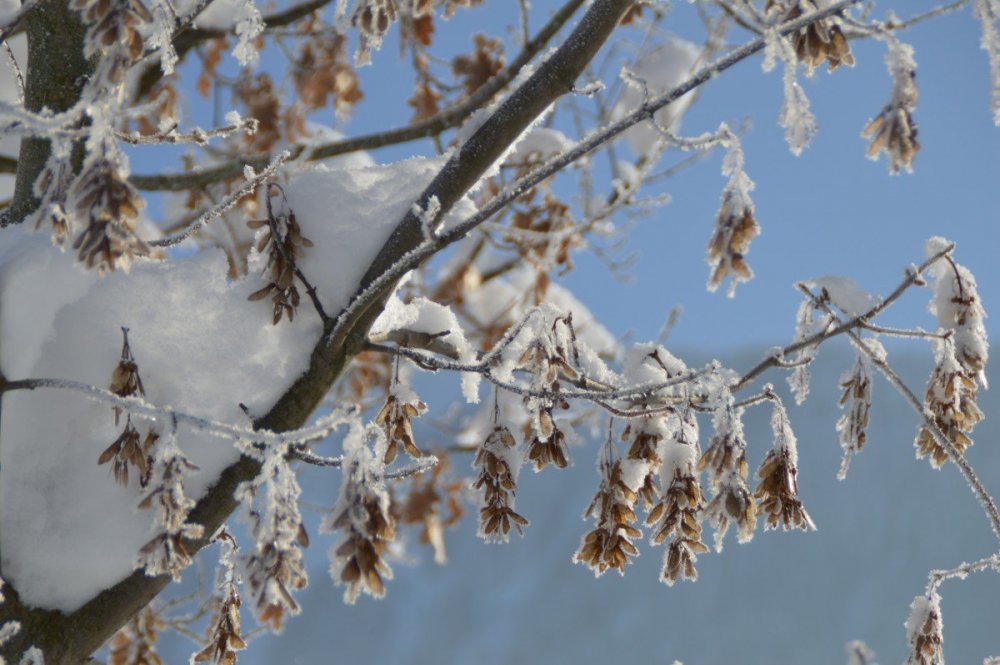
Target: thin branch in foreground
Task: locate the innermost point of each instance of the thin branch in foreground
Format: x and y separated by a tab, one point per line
972	478
914	276
223	205
138	406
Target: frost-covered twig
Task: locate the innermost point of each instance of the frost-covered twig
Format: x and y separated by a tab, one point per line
223	205
970	475
140	407
914	276
196	136
937	576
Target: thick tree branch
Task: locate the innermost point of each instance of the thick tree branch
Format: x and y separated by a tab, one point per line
57	73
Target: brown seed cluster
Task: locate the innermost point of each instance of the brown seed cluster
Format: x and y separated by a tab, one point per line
111	207
646	438
167	552
273	574
130	448
735	227
432	503
225	635
485	62
135	642
893	130
816	42
322	73
369	528
677	516
925	629
778	493
610	544
372	18
549	360
726	462
283	243
112	23
951	397
853	424
498	483
275	568
394	419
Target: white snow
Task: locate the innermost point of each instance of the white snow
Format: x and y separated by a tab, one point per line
844	293
58	322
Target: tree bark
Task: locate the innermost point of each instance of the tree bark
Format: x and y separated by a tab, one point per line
57	73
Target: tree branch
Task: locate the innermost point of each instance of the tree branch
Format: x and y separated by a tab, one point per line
432	126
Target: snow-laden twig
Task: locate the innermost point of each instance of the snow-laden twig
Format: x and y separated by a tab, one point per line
914	276
196	136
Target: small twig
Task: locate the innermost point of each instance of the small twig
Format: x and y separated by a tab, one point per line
222	206
913	276
196	136
18	76
138	406
970	475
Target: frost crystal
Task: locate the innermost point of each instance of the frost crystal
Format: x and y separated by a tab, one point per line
987	11
248	26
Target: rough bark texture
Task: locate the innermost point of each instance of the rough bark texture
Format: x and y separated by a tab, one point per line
57	73
70	639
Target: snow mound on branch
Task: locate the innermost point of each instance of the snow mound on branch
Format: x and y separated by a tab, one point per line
68	529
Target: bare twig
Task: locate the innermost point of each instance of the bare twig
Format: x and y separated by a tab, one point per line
970	475
222	206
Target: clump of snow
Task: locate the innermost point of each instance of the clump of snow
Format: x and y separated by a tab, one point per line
68	529
959	309
421	315
844	293
655	73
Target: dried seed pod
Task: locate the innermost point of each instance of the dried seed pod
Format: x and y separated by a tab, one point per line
498	463
820	40
924	630
394	419
610	543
